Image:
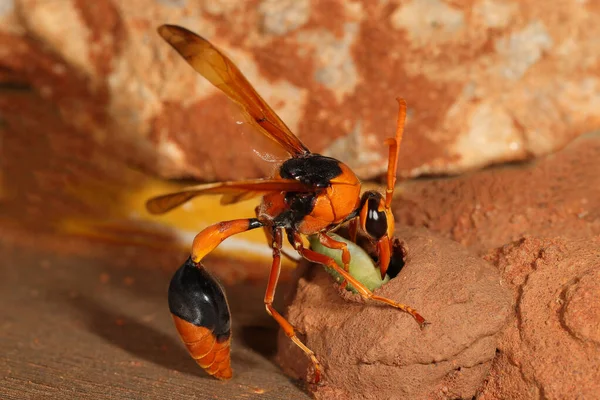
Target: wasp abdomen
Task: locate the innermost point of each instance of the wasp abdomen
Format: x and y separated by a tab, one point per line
202	318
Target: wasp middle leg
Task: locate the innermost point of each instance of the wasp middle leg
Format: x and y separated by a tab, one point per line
270	295
331	243
365	293
268	231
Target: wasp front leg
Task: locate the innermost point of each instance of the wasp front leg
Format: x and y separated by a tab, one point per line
353	229
365	293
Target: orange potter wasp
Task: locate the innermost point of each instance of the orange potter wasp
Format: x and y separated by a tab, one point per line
309	194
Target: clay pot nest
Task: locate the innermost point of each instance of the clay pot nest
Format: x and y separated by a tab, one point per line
370	351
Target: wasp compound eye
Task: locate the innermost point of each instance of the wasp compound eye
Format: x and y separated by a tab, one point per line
376	221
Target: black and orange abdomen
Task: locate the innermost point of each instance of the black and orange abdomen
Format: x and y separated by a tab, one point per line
202	318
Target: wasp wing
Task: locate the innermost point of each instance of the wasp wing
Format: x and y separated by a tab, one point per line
232	192
221	72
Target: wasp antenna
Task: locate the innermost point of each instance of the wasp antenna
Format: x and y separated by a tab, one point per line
394	144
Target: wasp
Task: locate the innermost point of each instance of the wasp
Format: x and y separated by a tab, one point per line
308	194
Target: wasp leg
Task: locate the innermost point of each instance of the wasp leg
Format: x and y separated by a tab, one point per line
365	293
327	241
353	229
269	296
207	240
269	236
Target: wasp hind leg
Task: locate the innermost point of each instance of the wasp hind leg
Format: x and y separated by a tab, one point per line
198	304
270	295
365	293
269	235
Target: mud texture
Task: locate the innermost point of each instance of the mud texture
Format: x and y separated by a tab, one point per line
538	224
376	352
551	349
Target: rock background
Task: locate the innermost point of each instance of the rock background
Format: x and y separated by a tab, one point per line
486	81
554	196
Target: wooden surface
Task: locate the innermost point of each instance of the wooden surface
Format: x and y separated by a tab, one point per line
77	327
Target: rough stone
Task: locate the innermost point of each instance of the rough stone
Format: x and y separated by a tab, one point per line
555	196
486	81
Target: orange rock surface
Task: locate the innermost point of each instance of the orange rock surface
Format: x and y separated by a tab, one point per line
486	81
